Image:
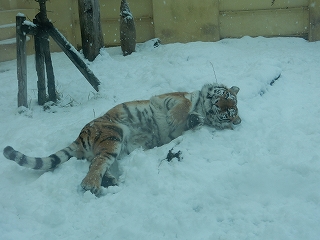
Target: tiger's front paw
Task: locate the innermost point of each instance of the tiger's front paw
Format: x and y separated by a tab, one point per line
92	184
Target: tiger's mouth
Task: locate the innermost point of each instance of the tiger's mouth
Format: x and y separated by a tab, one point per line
236	120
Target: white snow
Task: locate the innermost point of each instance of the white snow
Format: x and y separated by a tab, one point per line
258	181
9	25
11	41
20	15
8	41
28	23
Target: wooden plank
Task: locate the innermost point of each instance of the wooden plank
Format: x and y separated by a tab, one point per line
314	33
8	16
73	55
232	5
281	22
186	21
144	30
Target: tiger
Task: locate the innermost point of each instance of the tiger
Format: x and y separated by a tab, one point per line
142	123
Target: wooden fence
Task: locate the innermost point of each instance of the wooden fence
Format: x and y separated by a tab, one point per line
212	20
191	20
264	18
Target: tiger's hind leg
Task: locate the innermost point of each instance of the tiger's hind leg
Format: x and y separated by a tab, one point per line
103	141
98	169
108	180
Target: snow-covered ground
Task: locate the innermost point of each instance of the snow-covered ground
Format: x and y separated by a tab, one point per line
258	181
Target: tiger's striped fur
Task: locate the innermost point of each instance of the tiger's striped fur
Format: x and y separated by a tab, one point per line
145	124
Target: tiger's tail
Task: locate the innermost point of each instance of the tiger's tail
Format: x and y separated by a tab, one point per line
44	163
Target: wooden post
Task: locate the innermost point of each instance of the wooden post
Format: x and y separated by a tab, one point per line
39	53
314	28
127	29
43	57
21	62
42	96
91	33
49	69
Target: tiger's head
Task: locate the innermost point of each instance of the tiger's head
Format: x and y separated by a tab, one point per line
220	105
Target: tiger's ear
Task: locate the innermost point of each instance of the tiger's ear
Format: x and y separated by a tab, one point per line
235	89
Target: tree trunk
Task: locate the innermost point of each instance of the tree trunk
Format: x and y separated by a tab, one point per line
91	33
127	29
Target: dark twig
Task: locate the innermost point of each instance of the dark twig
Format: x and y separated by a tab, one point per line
171	155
